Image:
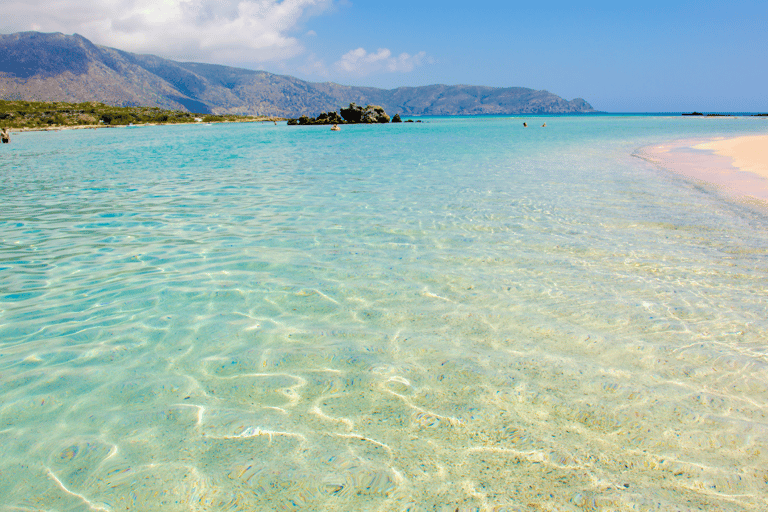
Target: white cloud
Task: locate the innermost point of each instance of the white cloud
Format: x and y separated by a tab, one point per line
227	31
360	62
313	66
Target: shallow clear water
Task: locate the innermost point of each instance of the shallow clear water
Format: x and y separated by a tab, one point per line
458	314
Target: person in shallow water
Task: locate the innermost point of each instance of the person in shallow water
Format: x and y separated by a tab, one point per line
5	136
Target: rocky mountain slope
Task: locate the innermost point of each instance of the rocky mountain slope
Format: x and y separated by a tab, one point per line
58	67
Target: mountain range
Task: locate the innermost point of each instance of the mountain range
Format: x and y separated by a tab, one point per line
58	67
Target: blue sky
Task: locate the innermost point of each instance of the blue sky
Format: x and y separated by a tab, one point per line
621	57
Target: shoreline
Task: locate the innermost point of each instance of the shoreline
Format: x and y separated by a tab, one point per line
100	126
737	167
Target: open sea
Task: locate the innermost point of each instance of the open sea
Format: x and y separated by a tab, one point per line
460	314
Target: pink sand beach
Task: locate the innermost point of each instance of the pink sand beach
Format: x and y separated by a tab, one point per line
738	167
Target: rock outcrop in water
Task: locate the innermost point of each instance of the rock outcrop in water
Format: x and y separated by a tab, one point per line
371	114
324	118
354	114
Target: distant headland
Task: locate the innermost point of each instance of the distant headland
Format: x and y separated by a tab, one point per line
62	68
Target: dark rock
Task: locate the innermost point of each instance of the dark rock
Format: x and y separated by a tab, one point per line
324	118
397	119
352	115
329	118
369	115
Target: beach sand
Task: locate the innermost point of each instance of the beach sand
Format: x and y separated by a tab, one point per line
737	167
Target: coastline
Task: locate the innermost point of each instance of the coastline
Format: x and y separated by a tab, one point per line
737	167
139	125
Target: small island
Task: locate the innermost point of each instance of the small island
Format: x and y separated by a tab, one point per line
354	114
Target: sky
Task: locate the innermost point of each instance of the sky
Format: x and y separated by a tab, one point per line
654	56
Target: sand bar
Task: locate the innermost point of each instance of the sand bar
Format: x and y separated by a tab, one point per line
737	167
748	153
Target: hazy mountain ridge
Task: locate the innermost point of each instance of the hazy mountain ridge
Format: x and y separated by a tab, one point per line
57	67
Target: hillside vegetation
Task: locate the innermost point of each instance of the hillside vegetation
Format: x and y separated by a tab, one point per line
41	115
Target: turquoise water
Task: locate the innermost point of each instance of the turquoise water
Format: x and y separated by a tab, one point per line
458	314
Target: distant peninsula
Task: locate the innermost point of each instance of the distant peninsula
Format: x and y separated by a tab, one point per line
56	67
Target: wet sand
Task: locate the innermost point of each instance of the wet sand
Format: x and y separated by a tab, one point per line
737	167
